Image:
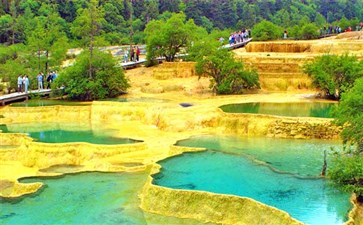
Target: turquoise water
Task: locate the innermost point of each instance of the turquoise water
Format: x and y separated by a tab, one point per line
299	157
236	171
47	102
85	198
65	136
293	109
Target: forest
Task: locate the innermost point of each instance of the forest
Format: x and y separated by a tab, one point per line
123	21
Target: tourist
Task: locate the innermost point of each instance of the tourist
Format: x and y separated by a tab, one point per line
40	81
55	74
221	40
26	83
49	80
230	39
137	53
285	34
20	83
132	57
126	55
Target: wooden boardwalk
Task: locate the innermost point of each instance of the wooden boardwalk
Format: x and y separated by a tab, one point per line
238	45
16	96
130	65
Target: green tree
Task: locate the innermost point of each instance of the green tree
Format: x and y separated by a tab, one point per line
266	30
350	115
334	74
309	31
228	76
151	10
347	167
12	63
108	80
48	39
168	38
87	26
282	18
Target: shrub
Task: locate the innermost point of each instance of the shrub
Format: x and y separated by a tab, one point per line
334	74
266	30
105	79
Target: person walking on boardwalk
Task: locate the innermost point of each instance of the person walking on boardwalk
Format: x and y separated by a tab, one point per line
132	58
40	81
137	53
49	80
20	83
26	83
126	56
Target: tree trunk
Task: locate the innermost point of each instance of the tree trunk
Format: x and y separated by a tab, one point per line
46	62
92	34
38	59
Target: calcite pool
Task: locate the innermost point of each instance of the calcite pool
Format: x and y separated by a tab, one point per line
56	133
84	198
279	173
293	109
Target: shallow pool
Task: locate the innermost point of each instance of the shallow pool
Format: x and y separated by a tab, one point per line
298	157
293	109
240	172
85	198
48	102
55	134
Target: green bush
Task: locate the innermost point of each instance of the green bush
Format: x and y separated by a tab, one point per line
334	74
266	30
309	31
228	76
347	167
350	115
105	79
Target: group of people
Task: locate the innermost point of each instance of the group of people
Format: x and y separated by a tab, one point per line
134	55
331	30
336	29
238	37
24	82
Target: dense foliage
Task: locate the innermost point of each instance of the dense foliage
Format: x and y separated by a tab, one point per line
228	76
334	74
347	168
167	37
107	79
126	19
266	30
350	114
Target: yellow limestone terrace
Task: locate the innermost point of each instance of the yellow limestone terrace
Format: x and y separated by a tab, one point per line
210	207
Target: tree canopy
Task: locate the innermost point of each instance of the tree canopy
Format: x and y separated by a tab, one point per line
168	37
123	16
347	168
228	75
334	74
107	80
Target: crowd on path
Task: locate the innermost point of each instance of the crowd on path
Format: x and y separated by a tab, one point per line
24	82
134	55
238	36
337	30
